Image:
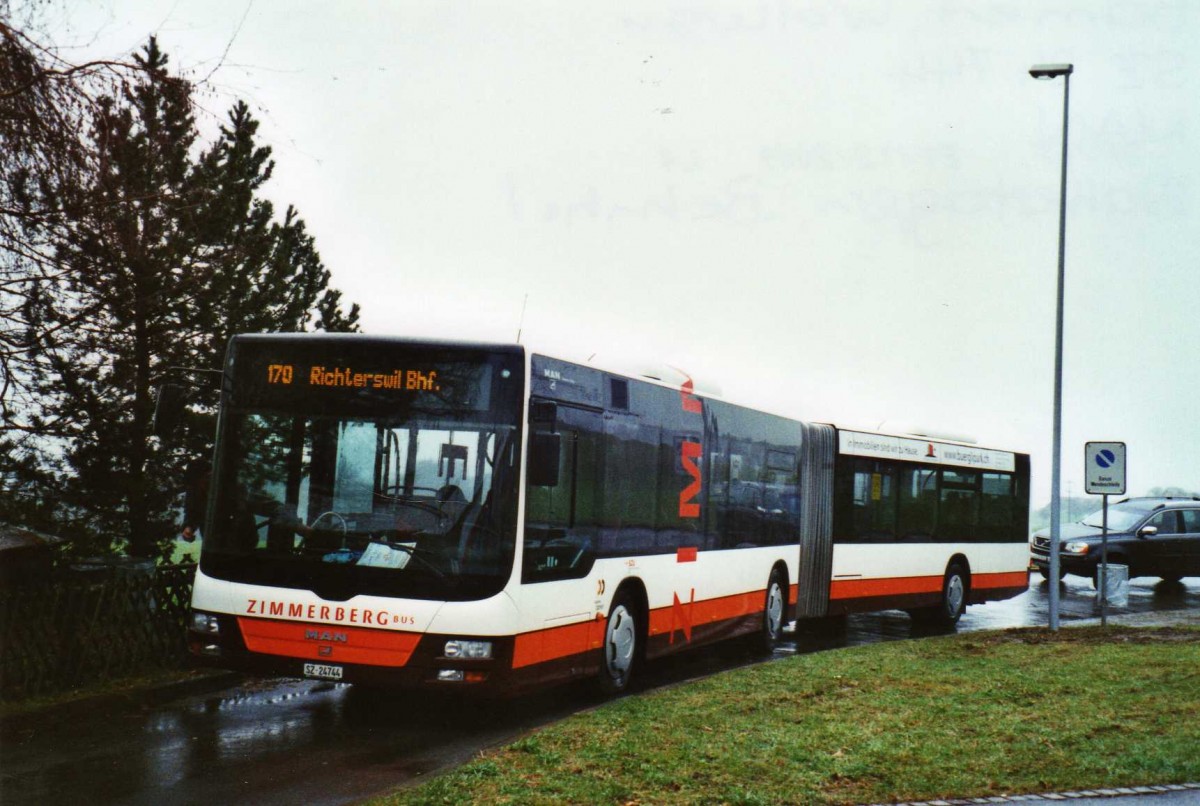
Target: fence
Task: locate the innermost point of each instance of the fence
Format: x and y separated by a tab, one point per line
83	628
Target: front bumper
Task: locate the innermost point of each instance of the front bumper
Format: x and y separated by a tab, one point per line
424	667
1078	564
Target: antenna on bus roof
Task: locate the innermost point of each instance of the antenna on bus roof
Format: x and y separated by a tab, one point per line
521	322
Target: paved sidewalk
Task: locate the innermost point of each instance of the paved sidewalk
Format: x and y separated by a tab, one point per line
1160	618
1173	794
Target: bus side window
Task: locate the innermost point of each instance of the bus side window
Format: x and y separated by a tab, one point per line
997	508
874	502
918	505
545	459
958	513
716	489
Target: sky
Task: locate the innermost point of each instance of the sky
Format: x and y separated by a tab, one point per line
841	211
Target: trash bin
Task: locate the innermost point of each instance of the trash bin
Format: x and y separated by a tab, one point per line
1116	585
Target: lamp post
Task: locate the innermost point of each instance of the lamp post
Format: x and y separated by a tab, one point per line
1049	72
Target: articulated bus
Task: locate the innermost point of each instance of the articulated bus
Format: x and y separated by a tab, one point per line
434	514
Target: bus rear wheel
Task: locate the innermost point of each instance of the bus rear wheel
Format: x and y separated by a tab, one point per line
622	645
955	586
773	614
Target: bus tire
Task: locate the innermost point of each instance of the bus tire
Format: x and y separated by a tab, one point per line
622	644
955	587
774	609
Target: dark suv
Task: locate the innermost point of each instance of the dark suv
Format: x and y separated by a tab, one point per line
1158	537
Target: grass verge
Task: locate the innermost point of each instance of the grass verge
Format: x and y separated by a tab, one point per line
974	715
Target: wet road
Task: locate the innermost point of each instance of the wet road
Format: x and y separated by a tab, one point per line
302	741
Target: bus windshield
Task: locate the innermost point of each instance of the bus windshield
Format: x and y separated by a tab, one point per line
352	493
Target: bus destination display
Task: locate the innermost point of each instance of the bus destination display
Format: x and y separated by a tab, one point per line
412	380
341	376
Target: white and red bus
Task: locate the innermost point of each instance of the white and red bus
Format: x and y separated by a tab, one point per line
412	514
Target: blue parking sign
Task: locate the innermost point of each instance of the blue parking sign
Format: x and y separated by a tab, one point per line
1104	471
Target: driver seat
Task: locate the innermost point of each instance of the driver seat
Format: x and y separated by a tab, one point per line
471	517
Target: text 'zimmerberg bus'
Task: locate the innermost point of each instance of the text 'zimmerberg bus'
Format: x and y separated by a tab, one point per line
476	516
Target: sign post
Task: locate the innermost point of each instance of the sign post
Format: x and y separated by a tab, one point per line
1104	471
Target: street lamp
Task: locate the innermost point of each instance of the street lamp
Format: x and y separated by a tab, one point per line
1048	72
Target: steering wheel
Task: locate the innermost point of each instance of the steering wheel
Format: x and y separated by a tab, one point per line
329	514
394	494
395	490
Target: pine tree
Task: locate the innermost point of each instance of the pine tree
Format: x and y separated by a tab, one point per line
264	275
174	252
128	260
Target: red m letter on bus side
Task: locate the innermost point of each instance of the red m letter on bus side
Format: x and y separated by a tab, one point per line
689	452
682	616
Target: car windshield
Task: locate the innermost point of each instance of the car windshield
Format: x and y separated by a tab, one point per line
348	488
1121	517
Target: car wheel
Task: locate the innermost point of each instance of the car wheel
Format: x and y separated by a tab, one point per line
1045	572
622	645
773	614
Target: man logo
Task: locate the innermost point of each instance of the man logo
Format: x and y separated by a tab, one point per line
329	636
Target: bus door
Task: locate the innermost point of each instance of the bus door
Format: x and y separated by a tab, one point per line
562	517
816	520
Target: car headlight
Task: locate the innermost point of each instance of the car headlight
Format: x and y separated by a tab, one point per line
1076	547
470	650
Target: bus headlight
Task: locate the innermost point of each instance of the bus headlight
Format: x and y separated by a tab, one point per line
206	623
1076	548
471	650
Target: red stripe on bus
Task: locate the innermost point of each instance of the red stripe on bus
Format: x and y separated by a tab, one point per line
900	586
573	639
686	555
297	639
1013	579
669	620
558	642
890	586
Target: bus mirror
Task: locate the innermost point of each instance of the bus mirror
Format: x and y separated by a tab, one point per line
543	412
449	456
544	451
169	409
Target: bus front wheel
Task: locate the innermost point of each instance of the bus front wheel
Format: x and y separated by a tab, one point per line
622	645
